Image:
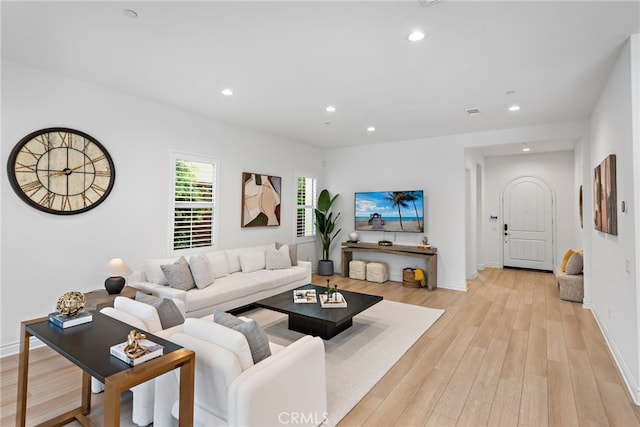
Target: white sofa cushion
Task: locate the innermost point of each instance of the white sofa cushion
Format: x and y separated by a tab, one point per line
233	255
228	338
218	262
293	251
277	259
202	271
153	271
125	317
252	261
145	312
231	287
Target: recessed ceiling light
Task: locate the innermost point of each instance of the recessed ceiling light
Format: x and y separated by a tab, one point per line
227	92
330	109
525	149
514	108
371	129
416	36
130	13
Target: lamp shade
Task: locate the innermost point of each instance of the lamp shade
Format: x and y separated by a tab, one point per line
116	267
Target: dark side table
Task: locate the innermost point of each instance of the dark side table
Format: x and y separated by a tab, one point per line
87	346
99	299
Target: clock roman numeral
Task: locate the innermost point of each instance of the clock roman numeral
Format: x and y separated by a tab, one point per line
48	199
21	167
105	174
64	139
65	204
26	150
98	190
31	187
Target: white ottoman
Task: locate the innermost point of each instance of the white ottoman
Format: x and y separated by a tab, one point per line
357	269
377	272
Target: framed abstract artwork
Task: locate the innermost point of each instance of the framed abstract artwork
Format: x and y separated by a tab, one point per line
260	200
605	215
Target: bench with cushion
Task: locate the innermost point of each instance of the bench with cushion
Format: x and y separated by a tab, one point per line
569	276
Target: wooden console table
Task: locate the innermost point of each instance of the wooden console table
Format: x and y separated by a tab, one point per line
87	346
430	255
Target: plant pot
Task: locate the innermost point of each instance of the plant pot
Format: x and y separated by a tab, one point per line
325	267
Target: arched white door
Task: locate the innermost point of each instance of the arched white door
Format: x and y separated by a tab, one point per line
528	218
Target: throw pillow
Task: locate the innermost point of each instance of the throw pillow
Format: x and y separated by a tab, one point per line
154	272
168	311
565	258
252	261
256	336
201	271
575	264
276	259
218	262
293	252
178	274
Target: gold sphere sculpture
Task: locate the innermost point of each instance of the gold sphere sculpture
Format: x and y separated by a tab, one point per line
71	302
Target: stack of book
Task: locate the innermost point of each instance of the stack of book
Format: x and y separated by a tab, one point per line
67	320
304	296
152	350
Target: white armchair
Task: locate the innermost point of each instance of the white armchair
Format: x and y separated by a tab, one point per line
288	387
145	318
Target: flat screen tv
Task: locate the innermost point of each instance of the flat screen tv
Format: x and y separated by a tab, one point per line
389	211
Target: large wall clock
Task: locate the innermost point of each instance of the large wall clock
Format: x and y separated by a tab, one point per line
61	171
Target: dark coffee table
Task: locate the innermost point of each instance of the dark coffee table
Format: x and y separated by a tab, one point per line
312	319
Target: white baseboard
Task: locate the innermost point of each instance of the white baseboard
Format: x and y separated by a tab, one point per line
493	265
453	286
14	347
624	370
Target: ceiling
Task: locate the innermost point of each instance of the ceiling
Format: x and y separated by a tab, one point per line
287	61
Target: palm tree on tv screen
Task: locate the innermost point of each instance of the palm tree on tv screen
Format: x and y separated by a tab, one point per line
412	196
399	201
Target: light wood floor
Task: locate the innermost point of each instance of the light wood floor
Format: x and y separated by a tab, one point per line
508	352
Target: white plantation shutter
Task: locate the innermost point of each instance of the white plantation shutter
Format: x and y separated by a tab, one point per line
306	203
194	204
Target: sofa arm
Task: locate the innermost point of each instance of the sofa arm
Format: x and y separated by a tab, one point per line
289	385
172	293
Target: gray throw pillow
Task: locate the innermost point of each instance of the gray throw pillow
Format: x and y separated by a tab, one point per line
168	311
575	264
178	274
293	252
255	335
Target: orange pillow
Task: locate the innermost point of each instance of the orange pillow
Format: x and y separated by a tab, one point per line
565	258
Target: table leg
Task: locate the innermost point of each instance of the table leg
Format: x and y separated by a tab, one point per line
23	375
187	374
112	395
86	393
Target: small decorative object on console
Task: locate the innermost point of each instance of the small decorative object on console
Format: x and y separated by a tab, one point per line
385	243
353	237
137	349
71	302
304	296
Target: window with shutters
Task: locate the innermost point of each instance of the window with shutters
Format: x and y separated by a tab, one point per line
306	203
194	202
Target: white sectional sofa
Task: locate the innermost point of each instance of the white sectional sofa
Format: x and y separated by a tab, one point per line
238	277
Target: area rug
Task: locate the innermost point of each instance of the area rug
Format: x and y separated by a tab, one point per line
360	356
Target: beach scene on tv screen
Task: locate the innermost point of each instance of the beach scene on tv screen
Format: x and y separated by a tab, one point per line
389	211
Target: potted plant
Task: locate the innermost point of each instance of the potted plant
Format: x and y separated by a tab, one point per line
325	225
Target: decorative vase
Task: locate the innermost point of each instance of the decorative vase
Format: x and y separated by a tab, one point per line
114	285
325	267
353	236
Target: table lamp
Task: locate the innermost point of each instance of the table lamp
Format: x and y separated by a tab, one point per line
114	270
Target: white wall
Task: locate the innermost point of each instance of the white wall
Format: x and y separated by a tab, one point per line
436	165
613	264
556	169
45	255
